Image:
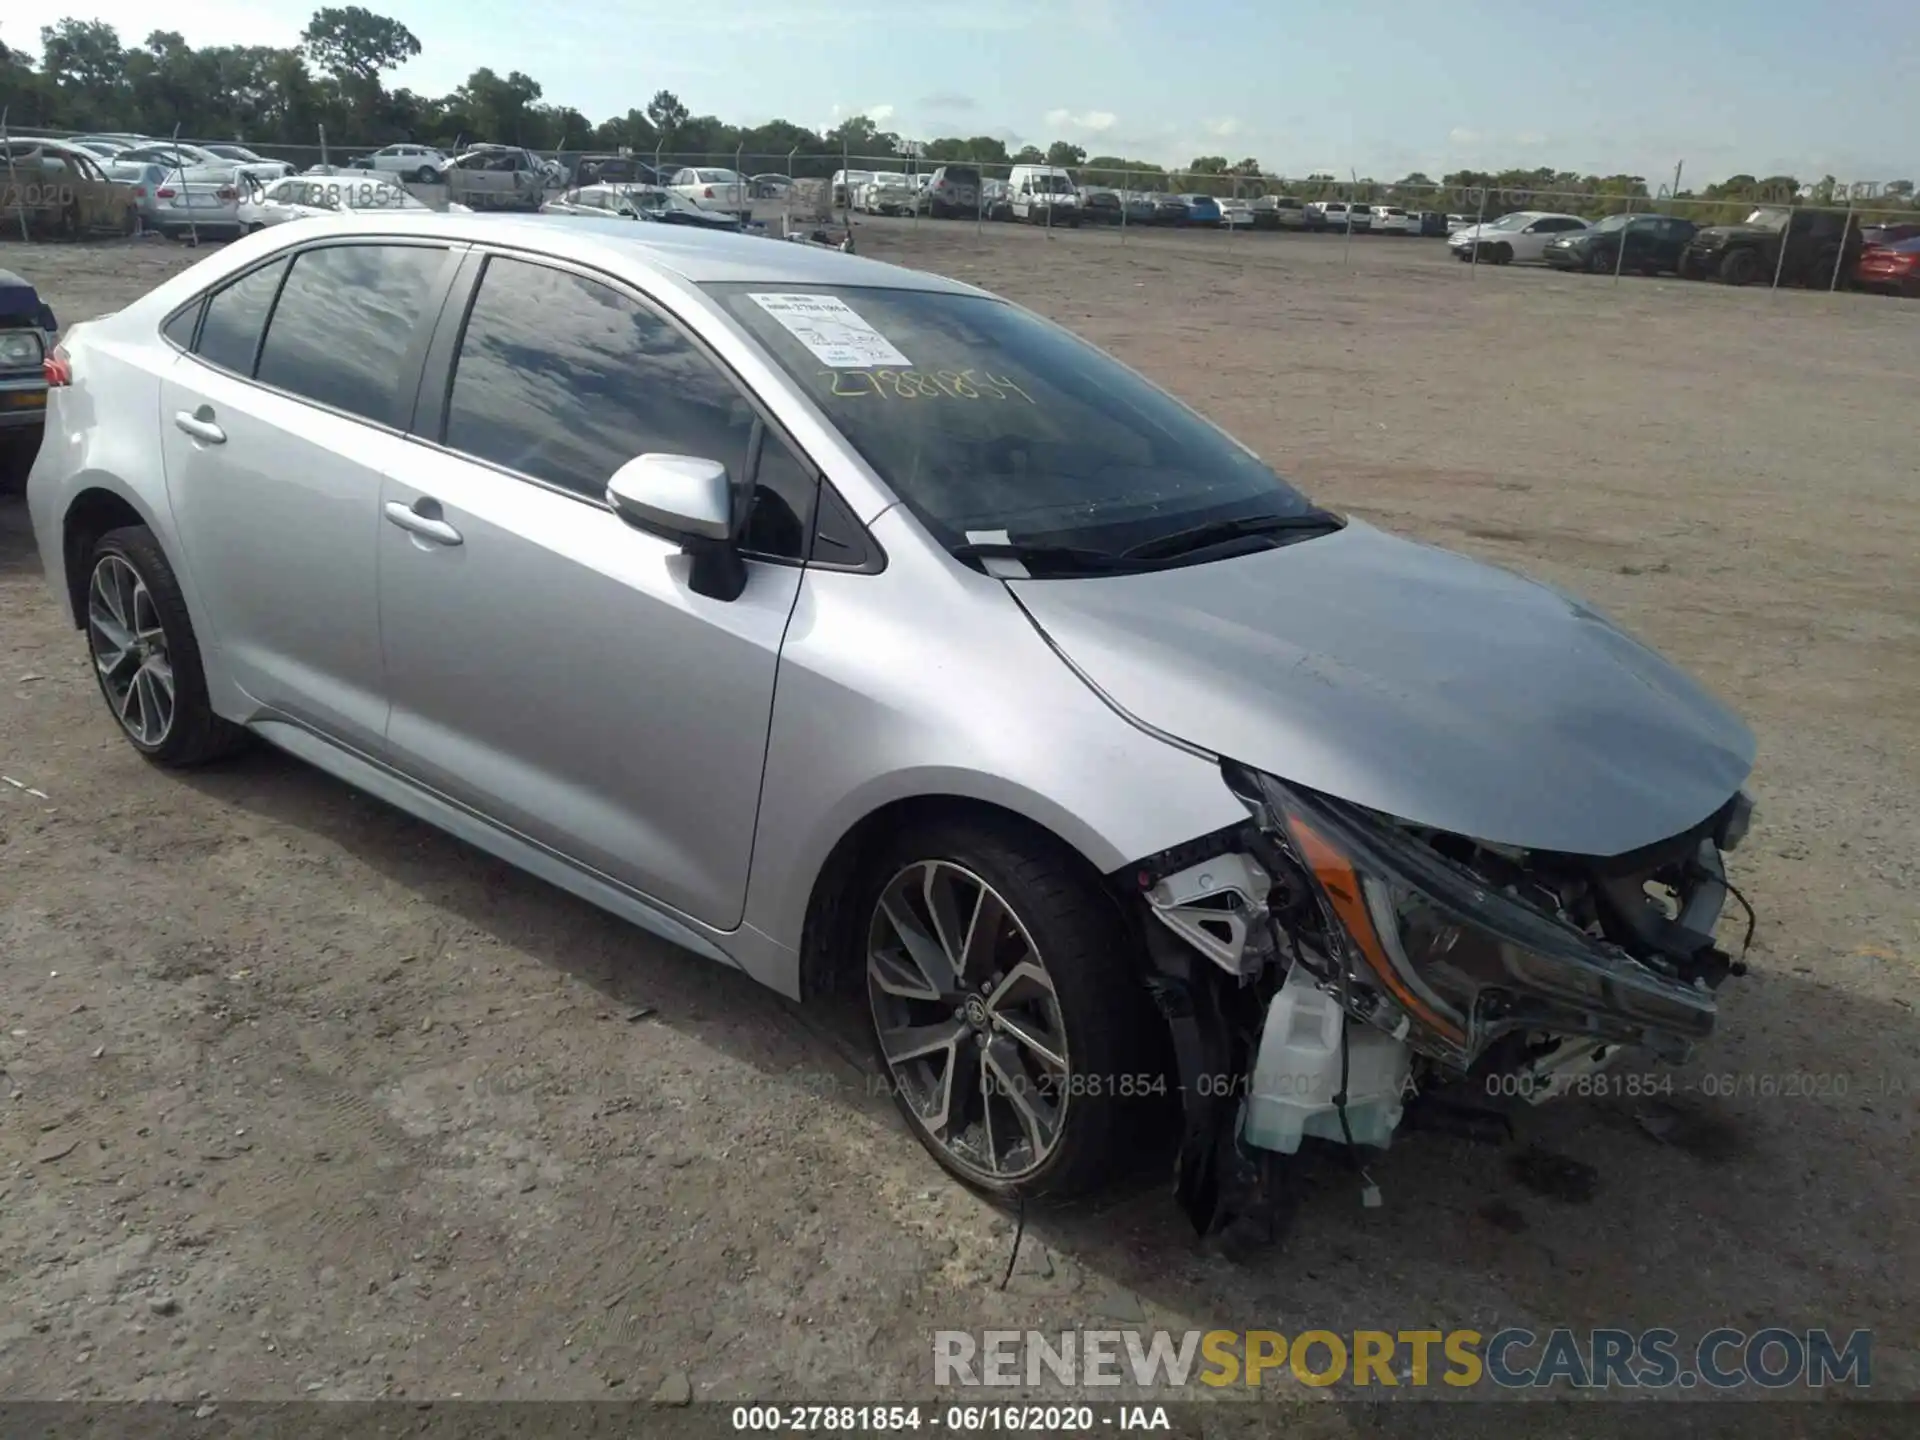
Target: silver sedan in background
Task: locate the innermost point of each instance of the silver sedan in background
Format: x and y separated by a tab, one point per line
859	629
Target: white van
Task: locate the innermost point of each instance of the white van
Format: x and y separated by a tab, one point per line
1044	195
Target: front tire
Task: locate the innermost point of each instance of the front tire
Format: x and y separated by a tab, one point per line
1013	1033
145	656
1502	254
1740	267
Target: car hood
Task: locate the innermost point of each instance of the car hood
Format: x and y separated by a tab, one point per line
1413	681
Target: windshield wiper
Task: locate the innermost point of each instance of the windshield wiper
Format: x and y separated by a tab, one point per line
1073	558
1218	532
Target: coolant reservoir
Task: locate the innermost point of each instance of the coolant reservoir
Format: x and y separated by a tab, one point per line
1297	1073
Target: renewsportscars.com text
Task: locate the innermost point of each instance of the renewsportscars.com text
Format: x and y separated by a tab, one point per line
1774	1358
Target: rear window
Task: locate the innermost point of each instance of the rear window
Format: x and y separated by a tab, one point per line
961	175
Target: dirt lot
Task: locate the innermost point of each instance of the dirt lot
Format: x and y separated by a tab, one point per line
301	1098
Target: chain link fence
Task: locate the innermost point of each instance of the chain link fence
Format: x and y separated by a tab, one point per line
1809	236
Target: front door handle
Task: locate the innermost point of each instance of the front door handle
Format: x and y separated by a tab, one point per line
425	526
200	425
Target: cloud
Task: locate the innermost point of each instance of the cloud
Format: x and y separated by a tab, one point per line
1460	135
1223	129
879	114
1093	122
948	100
1530	138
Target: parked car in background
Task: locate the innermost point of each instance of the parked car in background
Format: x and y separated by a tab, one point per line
1645	244
1457	223
1342	216
1892	268
1100	205
713	189
199	163
1044	195
953	192
1279	212
145	179
1802	246
1392	220
1168	209
496	177
248	162
614	169
996	199
846	184
1431	224
198	205
302	197
106	146
1888	233
423	164
61	190
28	333
770	186
639	202
1202	210
1235	213
889	192
1060	733
1522	235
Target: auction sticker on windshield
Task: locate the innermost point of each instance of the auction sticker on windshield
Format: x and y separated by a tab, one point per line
832	331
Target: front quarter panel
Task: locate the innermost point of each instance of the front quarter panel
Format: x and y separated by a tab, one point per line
928	680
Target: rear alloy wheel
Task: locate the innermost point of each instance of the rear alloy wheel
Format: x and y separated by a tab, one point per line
1008	1024
145	655
1502	253
425	175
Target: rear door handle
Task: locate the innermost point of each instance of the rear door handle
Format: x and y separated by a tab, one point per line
425	526
200	427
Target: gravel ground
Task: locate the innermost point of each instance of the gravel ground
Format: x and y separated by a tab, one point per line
302	1099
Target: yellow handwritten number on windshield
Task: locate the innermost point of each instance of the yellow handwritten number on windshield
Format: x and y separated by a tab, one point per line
922	385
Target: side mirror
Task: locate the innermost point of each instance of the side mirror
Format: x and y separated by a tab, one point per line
688	499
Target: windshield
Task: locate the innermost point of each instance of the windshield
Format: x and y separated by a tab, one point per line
1773	217
1614	222
717	177
983	418
1517	221
1051	185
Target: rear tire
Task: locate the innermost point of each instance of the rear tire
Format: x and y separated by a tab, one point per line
1502	254
425	175
1043	976
145	655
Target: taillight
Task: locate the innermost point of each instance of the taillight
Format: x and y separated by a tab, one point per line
139	192
165	192
709	192
226	192
57	368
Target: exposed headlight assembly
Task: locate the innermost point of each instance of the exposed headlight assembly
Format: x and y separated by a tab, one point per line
1434	954
19	348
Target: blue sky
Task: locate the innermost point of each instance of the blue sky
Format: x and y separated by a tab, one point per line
1380	86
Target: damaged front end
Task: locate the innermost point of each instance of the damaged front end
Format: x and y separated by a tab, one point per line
1322	965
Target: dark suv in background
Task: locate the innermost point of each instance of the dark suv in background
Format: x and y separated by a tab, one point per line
1814	242
954	190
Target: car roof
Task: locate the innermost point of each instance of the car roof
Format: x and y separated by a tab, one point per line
692	255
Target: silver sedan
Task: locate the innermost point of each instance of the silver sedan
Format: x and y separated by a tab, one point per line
861	630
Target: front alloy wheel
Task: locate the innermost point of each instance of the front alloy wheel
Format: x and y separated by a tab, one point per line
1009	1011
968	1021
129	647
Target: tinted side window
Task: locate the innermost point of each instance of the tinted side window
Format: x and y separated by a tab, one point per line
180	328
345	320
784	487
566	379
230	335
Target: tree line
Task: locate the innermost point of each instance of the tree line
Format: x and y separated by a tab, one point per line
336	80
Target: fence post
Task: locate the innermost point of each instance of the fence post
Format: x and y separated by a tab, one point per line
979	198
656	161
846	184
1840	260
13	177
1346	247
786	213
1126	194
1780	261
193	226
324	162
1620	258
1473	250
